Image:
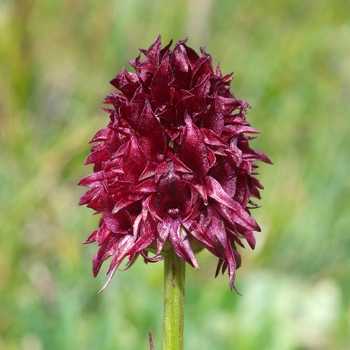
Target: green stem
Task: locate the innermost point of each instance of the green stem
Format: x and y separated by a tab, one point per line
174	301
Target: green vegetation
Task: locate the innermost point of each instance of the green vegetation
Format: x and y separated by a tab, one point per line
291	63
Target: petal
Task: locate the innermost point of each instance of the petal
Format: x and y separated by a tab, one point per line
213	121
92	180
104	234
160	89
178	165
105	251
117	223
180	66
225	105
126	82
147	186
192	151
215	191
148	235
225	173
198	232
99	155
153	52
201	70
179	60
173	198
89	195
249	236
151	136
149	171
134	161
179	240
121	252
101	135
212	139
91	238
163	230
125	201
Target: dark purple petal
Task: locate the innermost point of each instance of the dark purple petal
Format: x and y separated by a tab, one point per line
225	173
92	180
99	155
212	139
180	65
173	198
163	230
126	82
147	186
89	195
134	161
101	135
126	201
178	165
153	52
150	135
160	89
226	105
118	223
149	171
222	245
213	121
104	235
91	238
147	236
201	70
192	151
120	254
215	191
180	241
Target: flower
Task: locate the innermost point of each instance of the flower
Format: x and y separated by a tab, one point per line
173	167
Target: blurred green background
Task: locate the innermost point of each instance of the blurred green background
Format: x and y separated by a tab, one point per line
292	64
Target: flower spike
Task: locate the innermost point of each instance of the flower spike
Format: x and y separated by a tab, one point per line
173	168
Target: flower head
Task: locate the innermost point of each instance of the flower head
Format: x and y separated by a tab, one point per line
173	167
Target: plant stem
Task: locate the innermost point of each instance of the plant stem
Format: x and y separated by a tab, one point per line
174	301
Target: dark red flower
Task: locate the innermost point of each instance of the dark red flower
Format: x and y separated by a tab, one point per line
173	166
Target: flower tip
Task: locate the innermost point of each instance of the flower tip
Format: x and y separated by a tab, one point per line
108	281
263	157
232	286
182	42
195	264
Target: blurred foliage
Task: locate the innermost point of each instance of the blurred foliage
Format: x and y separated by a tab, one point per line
291	62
